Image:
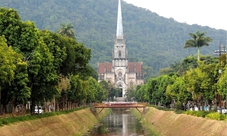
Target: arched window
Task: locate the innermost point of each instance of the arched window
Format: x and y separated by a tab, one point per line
119	53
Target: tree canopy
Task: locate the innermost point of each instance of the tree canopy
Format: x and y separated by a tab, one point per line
36	66
198	40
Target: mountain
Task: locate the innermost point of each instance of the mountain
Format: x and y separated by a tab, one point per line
150	38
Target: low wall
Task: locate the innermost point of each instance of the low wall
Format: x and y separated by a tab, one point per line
167	123
75	123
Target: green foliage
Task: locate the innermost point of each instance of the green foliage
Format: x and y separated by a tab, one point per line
7	58
95	24
67	30
178	111
32	66
156	88
10	120
178	91
130	94
19	89
216	116
200	81
57	45
77	59
44	80
222	84
198	40
141	94
197	113
161	108
195	83
76	91
34	60
19	35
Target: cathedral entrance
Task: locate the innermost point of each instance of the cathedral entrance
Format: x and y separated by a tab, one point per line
120	92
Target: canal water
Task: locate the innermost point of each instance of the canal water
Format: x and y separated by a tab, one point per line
119	123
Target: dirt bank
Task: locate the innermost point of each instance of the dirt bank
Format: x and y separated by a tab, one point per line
167	123
72	124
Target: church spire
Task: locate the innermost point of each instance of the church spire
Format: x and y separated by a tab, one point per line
119	21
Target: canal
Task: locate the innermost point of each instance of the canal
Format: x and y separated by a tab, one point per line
119	123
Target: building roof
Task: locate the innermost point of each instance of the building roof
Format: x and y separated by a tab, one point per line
132	67
135	67
104	67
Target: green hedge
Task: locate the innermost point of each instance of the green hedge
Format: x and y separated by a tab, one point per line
216	116
197	113
9	120
206	114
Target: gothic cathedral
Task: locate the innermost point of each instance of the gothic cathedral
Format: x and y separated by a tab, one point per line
122	73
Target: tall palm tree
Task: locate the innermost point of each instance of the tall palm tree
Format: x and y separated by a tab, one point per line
198	40
67	30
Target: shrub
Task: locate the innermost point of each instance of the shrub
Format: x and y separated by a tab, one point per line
216	116
179	111
197	113
5	121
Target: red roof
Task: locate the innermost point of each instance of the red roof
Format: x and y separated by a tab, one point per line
104	67
135	67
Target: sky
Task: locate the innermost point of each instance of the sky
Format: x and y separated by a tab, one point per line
212	13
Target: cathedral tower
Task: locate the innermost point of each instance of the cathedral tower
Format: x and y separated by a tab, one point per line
120	72
120	61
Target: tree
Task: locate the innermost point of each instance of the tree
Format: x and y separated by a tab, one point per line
18	92
198	40
141	94
130	94
42	75
8	60
76	92
67	30
222	84
178	91
22	36
156	88
57	46
199	82
77	59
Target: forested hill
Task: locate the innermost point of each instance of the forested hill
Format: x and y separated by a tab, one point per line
150	38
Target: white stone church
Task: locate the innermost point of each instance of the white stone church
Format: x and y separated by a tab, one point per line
120	72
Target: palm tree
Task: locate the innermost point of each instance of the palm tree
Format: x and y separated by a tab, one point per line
67	30
198	40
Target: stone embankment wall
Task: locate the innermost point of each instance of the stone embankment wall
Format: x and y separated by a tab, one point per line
167	123
73	124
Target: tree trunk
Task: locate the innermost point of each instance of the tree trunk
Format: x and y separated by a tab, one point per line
32	106
1	112
198	58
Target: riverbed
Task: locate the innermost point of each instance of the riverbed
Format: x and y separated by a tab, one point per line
119	123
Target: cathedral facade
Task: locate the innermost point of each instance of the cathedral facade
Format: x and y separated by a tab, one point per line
120	72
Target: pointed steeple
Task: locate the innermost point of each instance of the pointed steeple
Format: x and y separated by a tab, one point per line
119	21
